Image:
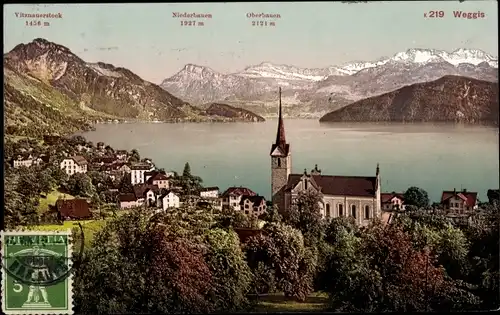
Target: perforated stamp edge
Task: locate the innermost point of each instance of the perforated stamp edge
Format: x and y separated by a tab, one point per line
67	233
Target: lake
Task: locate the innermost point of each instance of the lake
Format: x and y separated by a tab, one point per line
433	157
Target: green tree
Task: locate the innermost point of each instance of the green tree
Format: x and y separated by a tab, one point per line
282	249
58	174
133	266
338	249
417	197
187	170
272	215
18	211
80	184
134	156
305	216
389	274
28	184
483	235
125	185
190	184
101	181
46	181
231	274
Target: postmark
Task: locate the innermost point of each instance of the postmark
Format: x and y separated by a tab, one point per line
36	273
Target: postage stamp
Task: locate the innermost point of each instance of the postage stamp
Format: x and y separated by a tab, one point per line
36	272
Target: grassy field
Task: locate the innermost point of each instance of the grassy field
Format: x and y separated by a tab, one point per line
51	199
89	227
316	302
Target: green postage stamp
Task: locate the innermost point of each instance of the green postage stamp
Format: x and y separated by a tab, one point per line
37	272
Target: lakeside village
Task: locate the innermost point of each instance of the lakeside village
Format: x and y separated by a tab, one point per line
78	180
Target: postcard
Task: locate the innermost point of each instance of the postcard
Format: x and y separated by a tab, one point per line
220	157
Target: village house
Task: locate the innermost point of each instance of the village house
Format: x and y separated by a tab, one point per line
341	196
137	172
27	160
157	178
82	148
104	160
73	209
124	168
126	201
169	174
459	202
231	198
253	205
75	164
392	201
121	154
169	200
115	170
146	194
210	192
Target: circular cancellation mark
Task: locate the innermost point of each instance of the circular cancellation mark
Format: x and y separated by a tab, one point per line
41	267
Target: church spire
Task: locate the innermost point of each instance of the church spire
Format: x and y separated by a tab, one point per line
280	135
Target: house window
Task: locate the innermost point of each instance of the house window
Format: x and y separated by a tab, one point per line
327	210
247	206
367	212
353	211
279	162
341	210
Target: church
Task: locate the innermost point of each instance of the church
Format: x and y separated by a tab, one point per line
342	196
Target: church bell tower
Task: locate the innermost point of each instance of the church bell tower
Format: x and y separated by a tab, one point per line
281	161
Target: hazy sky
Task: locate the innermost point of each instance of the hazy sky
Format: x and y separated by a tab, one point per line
146	39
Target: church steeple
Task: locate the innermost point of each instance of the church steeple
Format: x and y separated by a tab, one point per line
280	135
281	161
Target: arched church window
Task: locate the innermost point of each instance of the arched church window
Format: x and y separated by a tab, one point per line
367	212
353	211
279	162
341	210
305	184
328	214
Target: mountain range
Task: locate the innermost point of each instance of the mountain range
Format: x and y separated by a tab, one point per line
448	99
49	89
314	92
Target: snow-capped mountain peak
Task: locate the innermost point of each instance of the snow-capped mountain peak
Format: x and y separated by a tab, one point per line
417	55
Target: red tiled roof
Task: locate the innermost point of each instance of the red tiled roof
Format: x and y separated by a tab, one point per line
126	197
387	197
338	185
80	160
256	200
470	198
238	191
141	189
156	176
73	208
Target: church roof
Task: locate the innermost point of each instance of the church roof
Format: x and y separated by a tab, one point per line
339	185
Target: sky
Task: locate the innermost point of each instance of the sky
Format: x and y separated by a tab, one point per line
149	41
